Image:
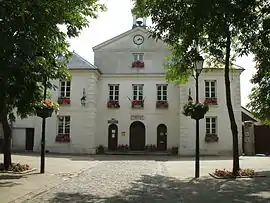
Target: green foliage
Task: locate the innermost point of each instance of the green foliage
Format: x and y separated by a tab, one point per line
186	23
260	94
195	110
31	43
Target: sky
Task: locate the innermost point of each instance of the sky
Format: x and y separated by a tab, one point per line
118	19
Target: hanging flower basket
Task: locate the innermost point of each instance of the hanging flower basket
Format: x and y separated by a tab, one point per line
195	111
44	109
162	104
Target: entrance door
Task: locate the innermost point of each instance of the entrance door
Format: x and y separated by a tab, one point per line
162	137
29	138
112	137
137	136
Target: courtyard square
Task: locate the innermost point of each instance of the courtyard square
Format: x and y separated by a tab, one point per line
130	179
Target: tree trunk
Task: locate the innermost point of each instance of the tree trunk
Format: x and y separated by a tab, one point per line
234	129
5	125
7	142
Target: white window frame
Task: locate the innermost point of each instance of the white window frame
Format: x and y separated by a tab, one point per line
136	90
212	93
163	92
138	56
65	89
114	92
211	125
64	125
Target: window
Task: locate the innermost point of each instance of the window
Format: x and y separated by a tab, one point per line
210	89
114	92
138	57
138	92
63	125
161	92
211	125
65	89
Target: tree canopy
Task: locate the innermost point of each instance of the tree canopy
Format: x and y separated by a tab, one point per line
260	94
31	43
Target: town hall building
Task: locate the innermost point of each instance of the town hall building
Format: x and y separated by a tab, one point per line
124	99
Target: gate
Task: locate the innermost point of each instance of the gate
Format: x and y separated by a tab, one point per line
262	139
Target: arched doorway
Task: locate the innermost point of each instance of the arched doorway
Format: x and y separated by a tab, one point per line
162	137
112	137
137	136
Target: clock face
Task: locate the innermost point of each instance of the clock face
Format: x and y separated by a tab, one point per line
138	39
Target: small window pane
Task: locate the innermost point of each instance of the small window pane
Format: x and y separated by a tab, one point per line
68	89
111	87
116	87
159	88
68	94
141	57
208	131
140	97
213	84
165	97
207	120
207	95
206	84
111	92
116	92
135	87
159	98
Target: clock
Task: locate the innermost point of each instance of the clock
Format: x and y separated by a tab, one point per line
138	39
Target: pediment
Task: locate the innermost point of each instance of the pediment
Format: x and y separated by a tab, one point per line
124	42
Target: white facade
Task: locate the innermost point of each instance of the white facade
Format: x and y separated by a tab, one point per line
89	124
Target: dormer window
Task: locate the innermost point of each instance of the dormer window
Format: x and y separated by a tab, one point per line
138	57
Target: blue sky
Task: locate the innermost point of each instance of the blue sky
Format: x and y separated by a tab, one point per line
118	19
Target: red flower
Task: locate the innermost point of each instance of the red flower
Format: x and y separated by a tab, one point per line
48	102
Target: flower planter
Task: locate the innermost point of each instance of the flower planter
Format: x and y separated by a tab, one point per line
162	105
137	104
44	112
195	111
211	138
211	101
63	100
113	105
137	64
63	138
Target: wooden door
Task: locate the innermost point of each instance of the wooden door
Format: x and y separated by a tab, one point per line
137	136
112	137
162	137
29	138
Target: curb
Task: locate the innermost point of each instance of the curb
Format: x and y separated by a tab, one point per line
34	194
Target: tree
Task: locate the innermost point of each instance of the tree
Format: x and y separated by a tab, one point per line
222	29
260	94
31	43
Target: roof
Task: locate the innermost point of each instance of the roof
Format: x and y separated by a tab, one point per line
119	37
249	114
79	63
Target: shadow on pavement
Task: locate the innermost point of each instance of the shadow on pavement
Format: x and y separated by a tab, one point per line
162	189
8	184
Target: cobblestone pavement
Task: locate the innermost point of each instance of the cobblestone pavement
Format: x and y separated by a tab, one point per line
158	181
114	181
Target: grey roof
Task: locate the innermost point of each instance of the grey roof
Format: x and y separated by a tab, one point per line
79	63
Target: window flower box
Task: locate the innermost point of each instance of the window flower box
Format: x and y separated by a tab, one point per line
113	104
137	64
65	138
211	101
137	104
162	104
63	100
211	138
